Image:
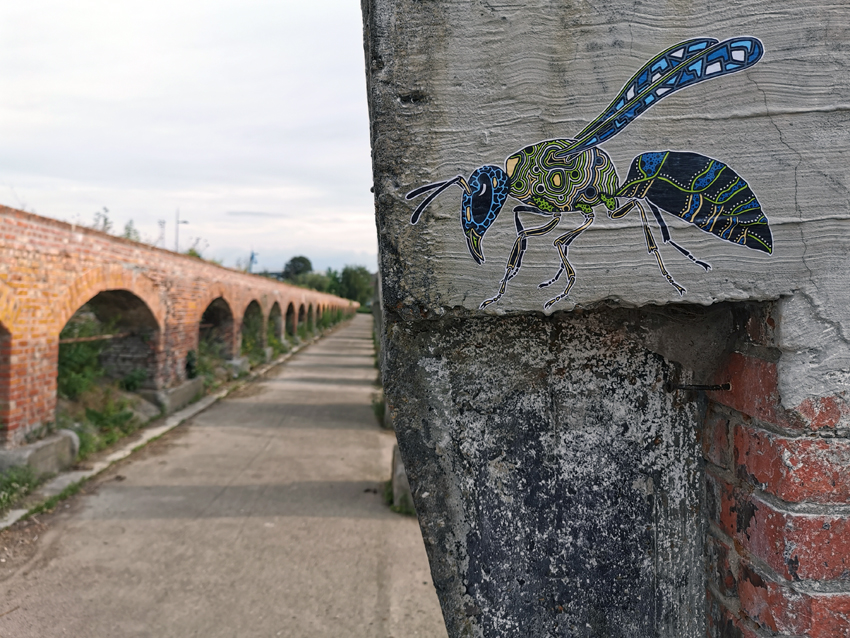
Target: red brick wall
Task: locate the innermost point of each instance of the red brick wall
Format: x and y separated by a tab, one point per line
778	502
48	269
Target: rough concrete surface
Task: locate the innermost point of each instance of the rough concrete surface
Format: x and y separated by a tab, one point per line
260	517
457	85
557	480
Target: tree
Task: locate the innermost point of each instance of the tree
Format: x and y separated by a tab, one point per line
356	283
130	232
102	221
297	266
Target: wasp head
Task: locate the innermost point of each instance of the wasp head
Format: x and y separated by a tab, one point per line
484	194
483	198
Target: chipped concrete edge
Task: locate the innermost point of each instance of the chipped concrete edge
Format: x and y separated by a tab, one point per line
64	480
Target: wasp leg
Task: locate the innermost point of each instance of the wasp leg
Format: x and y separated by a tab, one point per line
562	243
652	248
665	236
520	245
622	211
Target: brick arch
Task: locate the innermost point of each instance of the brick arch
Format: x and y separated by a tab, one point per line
211	294
97	280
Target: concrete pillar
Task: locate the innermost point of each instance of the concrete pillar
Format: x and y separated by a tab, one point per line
672	231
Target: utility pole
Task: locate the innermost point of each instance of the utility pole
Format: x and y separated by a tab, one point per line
177	231
161	238
252	259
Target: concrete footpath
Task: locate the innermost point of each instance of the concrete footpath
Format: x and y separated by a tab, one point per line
261	516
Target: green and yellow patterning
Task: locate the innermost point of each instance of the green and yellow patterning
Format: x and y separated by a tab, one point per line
542	179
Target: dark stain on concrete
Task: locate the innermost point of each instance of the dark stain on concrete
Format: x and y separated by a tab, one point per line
558	484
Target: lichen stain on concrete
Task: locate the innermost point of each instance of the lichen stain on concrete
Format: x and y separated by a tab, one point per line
562	480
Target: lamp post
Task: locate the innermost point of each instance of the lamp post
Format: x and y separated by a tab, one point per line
177	231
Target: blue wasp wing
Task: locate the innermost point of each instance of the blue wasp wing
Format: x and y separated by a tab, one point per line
650	72
717	60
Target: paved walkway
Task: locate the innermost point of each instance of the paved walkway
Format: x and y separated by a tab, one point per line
262	516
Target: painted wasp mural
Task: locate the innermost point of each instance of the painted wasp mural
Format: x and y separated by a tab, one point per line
556	177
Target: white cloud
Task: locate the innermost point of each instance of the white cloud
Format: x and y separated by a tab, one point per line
209	107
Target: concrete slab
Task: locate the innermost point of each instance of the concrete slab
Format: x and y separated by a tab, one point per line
262	516
50	455
173	399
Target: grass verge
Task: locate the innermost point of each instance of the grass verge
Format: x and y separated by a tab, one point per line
15	484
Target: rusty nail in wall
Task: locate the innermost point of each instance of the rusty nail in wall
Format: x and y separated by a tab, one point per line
670	387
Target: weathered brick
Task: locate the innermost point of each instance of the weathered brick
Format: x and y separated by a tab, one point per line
796	546
777	607
754	388
824	412
722	565
794	469
725	623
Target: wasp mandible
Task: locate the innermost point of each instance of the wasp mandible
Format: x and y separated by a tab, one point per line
555	177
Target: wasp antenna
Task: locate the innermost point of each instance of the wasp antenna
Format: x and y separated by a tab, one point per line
440	186
424	189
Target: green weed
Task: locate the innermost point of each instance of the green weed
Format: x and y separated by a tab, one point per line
134	380
15	483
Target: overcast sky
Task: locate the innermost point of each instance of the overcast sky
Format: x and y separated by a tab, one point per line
249	116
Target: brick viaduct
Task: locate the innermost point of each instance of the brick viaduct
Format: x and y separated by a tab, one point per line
49	269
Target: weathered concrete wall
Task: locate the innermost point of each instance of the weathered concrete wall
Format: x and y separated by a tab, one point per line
556	479
496	436
49	269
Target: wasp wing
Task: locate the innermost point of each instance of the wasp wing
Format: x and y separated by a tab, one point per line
717	60
650	72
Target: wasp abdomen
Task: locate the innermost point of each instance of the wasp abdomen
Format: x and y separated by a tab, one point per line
702	191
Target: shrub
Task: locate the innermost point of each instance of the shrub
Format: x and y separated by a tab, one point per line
15	483
79	363
134	380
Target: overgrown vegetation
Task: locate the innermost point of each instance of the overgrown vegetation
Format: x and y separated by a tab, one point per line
303	330
103	427
278	346
79	363
252	337
15	483
352	282
209	363
134	380
405	507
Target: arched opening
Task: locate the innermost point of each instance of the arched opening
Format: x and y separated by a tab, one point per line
109	352
215	332
113	336
253	335
290	321
302	321
311	318
274	331
215	345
